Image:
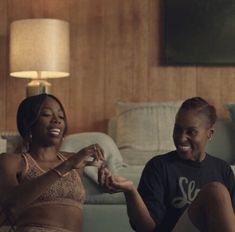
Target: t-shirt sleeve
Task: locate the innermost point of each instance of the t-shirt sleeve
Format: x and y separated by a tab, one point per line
151	189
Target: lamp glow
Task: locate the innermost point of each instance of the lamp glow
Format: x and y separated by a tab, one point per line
39	50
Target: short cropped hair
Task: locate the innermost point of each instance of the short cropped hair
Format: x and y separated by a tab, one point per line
202	106
29	110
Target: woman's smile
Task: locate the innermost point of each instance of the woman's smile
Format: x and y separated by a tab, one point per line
54	131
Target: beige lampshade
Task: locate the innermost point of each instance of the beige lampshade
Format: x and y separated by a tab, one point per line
39	48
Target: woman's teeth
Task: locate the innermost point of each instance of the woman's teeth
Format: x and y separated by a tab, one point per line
184	148
54	131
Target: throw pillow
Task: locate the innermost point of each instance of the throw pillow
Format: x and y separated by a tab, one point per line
230	107
145	127
125	106
13	142
233	168
3	145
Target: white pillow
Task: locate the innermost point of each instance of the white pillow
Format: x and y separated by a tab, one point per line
3	145
125	106
11	142
145	127
138	158
230	107
233	169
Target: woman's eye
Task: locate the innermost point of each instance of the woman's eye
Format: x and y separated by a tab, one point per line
61	116
46	114
192	132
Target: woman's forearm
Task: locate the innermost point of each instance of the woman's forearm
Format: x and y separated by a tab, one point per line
138	213
23	194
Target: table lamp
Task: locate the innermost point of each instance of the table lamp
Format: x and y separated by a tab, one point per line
39	50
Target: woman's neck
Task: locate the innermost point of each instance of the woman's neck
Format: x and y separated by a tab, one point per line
43	153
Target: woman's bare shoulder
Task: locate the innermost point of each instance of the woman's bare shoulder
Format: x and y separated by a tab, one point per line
12	158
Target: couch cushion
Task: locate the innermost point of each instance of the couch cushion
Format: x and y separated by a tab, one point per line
230	107
233	169
3	145
145	128
11	142
138	157
222	143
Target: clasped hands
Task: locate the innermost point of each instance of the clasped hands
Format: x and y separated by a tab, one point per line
93	155
112	183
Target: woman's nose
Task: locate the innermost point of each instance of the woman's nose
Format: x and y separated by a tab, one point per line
181	137
55	119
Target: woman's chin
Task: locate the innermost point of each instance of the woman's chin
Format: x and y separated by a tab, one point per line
185	155
190	156
55	140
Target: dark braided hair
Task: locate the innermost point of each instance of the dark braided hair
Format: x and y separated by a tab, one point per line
202	106
29	111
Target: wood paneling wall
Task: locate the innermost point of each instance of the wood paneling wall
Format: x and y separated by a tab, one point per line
116	54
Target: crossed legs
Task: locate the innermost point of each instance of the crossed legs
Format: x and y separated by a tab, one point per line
212	210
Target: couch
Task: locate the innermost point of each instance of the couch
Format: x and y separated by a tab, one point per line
137	132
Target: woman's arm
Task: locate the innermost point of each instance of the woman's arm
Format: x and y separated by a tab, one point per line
15	195
137	211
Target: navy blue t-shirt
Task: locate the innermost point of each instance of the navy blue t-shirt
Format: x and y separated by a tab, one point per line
169	184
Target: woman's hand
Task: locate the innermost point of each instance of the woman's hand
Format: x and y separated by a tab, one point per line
113	184
92	155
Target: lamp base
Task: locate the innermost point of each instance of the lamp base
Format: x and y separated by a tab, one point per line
36	87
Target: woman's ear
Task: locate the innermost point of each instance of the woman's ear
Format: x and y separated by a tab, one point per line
210	132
